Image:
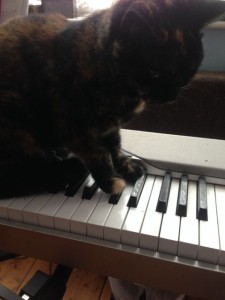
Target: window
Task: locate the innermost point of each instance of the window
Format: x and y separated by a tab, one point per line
85	7
70	8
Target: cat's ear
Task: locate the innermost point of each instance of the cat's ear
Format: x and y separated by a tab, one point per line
202	12
135	18
139	18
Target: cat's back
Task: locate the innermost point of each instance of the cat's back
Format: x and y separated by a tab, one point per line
26	47
38	26
25	37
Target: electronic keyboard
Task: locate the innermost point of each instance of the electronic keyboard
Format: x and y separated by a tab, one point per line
167	230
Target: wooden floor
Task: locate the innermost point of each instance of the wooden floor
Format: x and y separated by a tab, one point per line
14	274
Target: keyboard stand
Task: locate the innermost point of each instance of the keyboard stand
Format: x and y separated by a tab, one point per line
53	288
6	294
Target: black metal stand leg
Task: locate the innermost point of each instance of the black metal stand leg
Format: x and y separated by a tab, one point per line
6	294
52	288
55	287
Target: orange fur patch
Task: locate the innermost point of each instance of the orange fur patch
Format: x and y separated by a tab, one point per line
179	35
118	185
140	107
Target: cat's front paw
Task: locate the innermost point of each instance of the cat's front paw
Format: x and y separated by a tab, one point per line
115	185
130	170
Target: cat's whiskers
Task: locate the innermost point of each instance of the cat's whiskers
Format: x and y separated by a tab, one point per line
186	87
199	88
187	100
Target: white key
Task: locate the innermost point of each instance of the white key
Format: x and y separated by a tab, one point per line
65	212
30	211
132	225
152	221
98	217
188	239
78	221
169	233
47	212
115	220
15	208
4	203
220	203
208	231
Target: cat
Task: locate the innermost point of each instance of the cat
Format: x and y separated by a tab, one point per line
67	87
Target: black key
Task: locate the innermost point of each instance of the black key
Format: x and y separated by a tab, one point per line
202	212
114	198
182	197
73	187
89	189
164	194
136	192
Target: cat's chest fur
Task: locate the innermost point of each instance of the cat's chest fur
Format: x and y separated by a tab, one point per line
66	81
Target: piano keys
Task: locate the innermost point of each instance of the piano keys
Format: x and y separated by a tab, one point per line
182	198
164	194
96	217
188	243
184	241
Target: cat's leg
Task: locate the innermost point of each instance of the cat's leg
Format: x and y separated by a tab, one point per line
65	168
102	169
20	175
99	162
126	167
36	175
39	171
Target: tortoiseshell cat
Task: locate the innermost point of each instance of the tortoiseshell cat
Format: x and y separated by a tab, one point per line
72	85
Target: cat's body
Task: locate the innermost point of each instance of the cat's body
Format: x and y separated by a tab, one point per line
72	85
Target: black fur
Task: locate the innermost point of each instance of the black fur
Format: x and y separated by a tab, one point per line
72	85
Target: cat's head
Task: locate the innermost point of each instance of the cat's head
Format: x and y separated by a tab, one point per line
158	43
